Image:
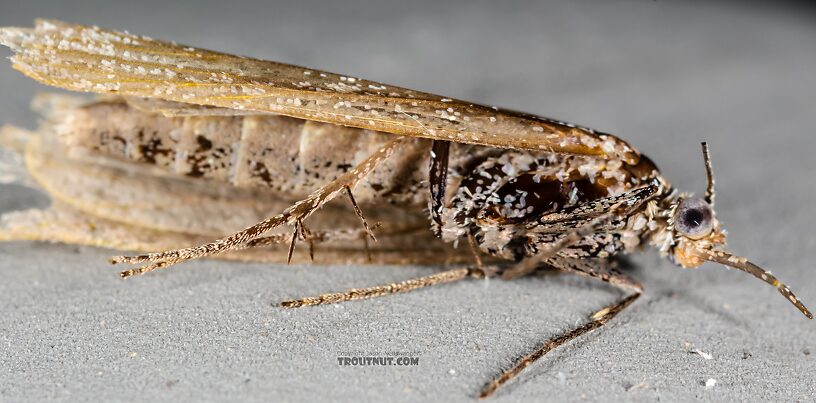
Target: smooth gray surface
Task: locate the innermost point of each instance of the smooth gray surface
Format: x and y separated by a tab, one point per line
662	75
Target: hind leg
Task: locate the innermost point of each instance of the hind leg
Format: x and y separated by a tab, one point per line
297	212
313	238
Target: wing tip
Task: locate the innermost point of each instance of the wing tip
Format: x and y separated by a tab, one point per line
15	37
12	37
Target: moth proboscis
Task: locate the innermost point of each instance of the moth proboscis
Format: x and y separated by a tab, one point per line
527	193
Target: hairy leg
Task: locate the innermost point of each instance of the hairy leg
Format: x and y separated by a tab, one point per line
604	272
604	211
387	289
532	263
299	211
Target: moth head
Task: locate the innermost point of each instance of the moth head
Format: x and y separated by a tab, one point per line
699	238
695	229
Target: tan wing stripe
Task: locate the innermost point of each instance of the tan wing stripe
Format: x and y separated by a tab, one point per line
95	60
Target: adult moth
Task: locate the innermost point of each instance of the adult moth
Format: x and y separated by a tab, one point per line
187	145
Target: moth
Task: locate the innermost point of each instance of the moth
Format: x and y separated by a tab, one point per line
234	155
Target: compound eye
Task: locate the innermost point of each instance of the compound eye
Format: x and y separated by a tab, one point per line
694	218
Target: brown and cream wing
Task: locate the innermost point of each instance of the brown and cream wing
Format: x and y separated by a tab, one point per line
92	59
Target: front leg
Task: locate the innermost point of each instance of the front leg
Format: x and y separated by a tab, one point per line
601	269
577	223
438	180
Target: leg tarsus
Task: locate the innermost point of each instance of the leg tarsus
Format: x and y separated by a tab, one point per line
359	213
367	249
292	243
308	237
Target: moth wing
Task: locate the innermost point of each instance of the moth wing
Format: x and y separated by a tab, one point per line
91	59
115	204
64	224
172	109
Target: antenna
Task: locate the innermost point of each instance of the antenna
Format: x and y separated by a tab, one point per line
709	194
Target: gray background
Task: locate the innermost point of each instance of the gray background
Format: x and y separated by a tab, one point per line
664	75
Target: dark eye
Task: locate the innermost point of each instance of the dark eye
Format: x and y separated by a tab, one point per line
693	218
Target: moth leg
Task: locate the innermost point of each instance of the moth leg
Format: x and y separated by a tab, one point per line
437	178
387	289
312	238
602	270
360	214
607	210
532	263
299	211
367	249
474	248
298	231
307	235
301	232
606	273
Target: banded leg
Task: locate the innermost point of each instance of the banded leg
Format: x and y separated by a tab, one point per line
437	178
532	263
605	272
382	290
299	211
605	210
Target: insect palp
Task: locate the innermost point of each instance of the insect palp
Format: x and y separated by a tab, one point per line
740	263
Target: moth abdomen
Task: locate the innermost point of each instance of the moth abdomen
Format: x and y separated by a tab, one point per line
284	154
111	128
